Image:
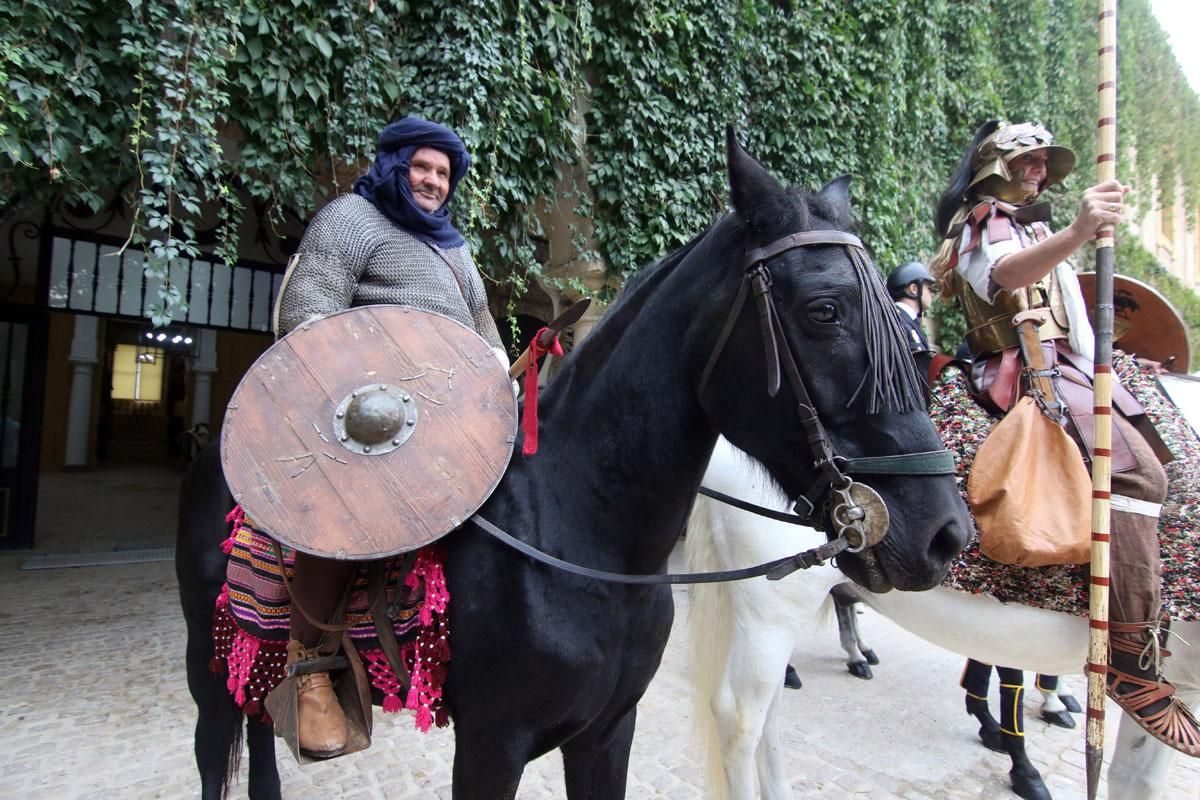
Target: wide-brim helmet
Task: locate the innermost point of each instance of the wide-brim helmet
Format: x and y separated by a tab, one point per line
990	161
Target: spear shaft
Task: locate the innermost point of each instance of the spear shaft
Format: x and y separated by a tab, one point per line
1106	162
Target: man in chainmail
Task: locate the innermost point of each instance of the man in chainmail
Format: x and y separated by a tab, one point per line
391	241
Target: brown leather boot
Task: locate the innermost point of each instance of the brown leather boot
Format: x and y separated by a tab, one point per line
1135	682
321	723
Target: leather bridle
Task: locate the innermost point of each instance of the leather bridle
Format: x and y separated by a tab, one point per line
856	512
849	504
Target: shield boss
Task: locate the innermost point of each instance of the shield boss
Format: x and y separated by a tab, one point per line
370	432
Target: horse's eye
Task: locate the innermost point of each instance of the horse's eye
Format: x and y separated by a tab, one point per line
823	312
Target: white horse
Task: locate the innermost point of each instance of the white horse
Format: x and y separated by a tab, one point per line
744	633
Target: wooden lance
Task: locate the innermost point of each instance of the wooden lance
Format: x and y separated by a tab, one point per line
1106	161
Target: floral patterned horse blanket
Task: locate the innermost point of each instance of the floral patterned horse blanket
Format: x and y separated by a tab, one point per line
964	425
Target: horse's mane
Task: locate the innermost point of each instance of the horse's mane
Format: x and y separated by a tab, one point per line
639	286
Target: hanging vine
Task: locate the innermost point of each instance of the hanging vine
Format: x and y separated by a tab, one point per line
192	109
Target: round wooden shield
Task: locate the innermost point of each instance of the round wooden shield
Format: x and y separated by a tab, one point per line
1144	322
370	432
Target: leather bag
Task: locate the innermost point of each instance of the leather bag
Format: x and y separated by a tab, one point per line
1030	492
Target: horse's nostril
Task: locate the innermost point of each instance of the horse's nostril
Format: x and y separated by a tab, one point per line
947	543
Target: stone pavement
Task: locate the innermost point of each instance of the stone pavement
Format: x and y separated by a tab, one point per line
93	705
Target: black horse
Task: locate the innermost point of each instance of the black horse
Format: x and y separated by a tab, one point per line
544	659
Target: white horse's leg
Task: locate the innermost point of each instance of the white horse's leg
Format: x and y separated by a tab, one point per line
867	651
744	632
772	772
859	655
1141	764
1055	709
748	693
1050	702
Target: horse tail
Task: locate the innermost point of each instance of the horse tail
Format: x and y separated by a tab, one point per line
234	763
711	625
204	502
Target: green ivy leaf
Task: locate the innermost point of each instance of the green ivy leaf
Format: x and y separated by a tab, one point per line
323	44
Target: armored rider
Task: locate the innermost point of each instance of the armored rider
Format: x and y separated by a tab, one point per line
1000	258
390	241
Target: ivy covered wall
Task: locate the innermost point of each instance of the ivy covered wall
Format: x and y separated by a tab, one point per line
191	106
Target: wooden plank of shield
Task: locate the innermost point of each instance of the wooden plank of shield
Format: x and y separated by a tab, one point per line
369	432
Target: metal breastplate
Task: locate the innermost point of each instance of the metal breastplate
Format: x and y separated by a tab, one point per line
989	325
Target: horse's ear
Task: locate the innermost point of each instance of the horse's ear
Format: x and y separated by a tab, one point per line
836	194
758	199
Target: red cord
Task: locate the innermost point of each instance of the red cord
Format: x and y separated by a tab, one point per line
529	420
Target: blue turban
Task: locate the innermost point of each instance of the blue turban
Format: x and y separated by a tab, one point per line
386	183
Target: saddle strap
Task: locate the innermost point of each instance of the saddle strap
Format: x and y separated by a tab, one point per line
334	631
376	580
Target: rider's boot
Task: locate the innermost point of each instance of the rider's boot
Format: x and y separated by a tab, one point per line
320	587
321	723
1137	627
1135	682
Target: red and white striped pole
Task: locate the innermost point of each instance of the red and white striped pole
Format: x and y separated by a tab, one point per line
1106	162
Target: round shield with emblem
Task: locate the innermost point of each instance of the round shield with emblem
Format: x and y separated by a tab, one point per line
369	432
1144	322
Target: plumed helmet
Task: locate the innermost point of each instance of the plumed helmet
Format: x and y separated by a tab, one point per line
991	159
902	276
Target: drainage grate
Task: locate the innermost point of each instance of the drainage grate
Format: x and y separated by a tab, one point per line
64	560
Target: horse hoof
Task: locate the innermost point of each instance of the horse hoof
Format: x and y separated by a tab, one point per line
1071	703
1060	718
860	669
1029	786
871	658
992	739
791	680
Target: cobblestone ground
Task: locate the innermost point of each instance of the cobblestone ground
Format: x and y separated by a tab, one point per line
93	706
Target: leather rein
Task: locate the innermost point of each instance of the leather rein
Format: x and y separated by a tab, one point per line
856	512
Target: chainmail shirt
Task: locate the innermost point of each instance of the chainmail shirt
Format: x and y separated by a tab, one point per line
352	255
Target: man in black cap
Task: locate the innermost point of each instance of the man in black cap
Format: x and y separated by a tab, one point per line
911	287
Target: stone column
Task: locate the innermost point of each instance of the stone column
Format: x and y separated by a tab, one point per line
83	360
202	371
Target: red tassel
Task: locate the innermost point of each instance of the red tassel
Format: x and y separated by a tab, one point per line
392	704
215	665
227	546
529	421
252	708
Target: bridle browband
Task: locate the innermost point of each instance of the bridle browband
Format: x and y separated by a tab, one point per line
849	505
